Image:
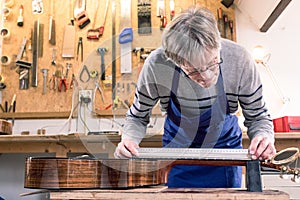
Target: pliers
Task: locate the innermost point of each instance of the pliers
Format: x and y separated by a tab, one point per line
62	84
53	82
80	48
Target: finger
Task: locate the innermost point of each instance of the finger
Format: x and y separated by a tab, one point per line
132	148
262	146
269	152
122	151
254	145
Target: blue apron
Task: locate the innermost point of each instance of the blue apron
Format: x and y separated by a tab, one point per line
214	128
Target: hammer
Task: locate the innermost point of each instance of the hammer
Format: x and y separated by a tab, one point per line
102	51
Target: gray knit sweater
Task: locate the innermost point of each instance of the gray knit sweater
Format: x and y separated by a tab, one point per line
241	83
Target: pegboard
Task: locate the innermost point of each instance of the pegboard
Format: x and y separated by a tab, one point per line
32	99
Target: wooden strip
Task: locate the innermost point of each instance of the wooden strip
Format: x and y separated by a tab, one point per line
169	194
274	15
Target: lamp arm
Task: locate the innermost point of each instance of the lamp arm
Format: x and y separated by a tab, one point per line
275	83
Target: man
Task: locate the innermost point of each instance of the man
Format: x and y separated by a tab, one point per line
199	79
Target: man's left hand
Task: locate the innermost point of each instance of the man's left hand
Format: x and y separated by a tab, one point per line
262	148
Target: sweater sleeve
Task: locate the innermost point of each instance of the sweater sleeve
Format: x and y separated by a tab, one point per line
257	119
146	97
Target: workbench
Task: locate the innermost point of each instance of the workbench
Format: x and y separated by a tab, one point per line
63	145
162	192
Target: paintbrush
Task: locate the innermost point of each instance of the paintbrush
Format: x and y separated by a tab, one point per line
20	18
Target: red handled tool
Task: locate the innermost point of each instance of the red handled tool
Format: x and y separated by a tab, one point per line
98	32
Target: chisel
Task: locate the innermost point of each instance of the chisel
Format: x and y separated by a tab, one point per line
225	21
35	54
231	29
220	21
52	37
20	18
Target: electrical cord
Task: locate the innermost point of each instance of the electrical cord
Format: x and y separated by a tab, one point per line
69	120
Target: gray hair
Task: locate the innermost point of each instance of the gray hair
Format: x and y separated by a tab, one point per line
191	35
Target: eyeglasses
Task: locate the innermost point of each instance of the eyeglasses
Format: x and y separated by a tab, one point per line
211	68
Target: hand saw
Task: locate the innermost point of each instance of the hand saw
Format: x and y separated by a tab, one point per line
80	14
96	33
93	33
126	38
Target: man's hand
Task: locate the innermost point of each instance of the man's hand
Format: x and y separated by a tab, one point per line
262	148
126	149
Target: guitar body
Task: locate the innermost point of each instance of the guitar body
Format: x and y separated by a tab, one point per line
74	173
64	173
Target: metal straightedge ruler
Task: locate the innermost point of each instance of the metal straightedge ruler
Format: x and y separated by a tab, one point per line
194	153
126	37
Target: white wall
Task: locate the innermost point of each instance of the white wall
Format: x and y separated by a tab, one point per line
282	41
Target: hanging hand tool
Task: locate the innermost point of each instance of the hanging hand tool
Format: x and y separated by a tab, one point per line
84	70
53	82
80	49
82	19
144	16
53	61
98	32
23	72
68	66
98	88
35	53
68	47
225	22
172	9
74	82
102	51
12	103
52	33
20	18
93	33
126	37
80	14
231	29
161	13
21	49
37	6
62	84
220	21
113	49
137	52
45	77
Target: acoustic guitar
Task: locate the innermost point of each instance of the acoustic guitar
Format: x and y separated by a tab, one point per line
150	168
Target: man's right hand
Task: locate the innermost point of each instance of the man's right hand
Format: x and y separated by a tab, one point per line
126	149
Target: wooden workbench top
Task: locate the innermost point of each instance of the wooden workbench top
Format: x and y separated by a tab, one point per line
161	192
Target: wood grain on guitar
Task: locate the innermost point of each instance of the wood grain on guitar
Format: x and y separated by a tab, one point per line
89	173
